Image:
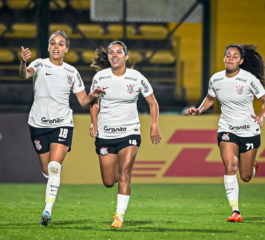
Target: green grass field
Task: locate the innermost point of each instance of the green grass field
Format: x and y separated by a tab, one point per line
169	211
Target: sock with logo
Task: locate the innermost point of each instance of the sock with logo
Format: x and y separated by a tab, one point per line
54	170
122	204
232	189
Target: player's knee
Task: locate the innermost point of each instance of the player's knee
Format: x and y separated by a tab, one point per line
124	177
230	169
108	184
54	168
245	177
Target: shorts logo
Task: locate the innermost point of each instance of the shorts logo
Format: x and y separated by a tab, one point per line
70	80
239	89
225	137
37	144
104	151
130	89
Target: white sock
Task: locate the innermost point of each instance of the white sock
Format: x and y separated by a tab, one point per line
53	184
122	204
254	172
232	189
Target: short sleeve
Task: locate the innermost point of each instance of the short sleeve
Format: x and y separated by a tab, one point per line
94	83
36	65
256	87
145	87
78	85
211	91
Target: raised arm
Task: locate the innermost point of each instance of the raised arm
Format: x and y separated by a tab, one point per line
23	71
154	111
207	103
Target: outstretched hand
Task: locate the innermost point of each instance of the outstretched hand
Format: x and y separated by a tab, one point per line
192	111
258	120
96	92
26	54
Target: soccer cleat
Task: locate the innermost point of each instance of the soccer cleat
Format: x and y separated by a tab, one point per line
236	217
45	219
256	165
117	223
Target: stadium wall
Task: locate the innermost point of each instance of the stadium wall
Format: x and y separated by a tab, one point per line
188	153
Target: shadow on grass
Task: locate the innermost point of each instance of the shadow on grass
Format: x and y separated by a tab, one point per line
253	219
55	223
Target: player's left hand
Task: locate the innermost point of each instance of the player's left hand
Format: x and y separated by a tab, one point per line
155	134
96	92
258	119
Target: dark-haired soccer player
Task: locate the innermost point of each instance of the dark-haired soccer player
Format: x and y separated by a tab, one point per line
239	126
117	130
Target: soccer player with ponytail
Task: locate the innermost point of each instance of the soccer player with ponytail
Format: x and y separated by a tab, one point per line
115	121
51	119
239	127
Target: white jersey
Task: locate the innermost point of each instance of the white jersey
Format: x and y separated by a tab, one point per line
52	87
118	115
236	96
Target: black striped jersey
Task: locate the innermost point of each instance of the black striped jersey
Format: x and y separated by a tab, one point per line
118	115
236	97
52	86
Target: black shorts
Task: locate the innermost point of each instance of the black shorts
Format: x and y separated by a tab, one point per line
244	143
43	137
106	146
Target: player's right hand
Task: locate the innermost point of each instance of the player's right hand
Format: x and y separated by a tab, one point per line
26	54
192	111
93	130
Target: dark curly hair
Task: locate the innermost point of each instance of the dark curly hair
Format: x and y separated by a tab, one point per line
102	62
253	61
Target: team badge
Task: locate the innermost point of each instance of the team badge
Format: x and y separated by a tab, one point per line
37	144
239	89
70	80
225	137
104	151
130	89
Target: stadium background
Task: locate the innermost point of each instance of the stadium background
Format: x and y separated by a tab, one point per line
176	44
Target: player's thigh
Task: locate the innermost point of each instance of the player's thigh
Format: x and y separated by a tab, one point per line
246	162
248	152
229	154
58	152
126	158
60	143
109	169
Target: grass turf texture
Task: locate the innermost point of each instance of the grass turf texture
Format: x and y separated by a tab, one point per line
169	211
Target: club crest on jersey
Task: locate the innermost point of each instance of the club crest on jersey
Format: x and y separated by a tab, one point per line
239	89
225	137
104	151
38	145
70	80
130	89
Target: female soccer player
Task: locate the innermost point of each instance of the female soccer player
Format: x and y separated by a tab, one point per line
50	118
117	131
239	127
